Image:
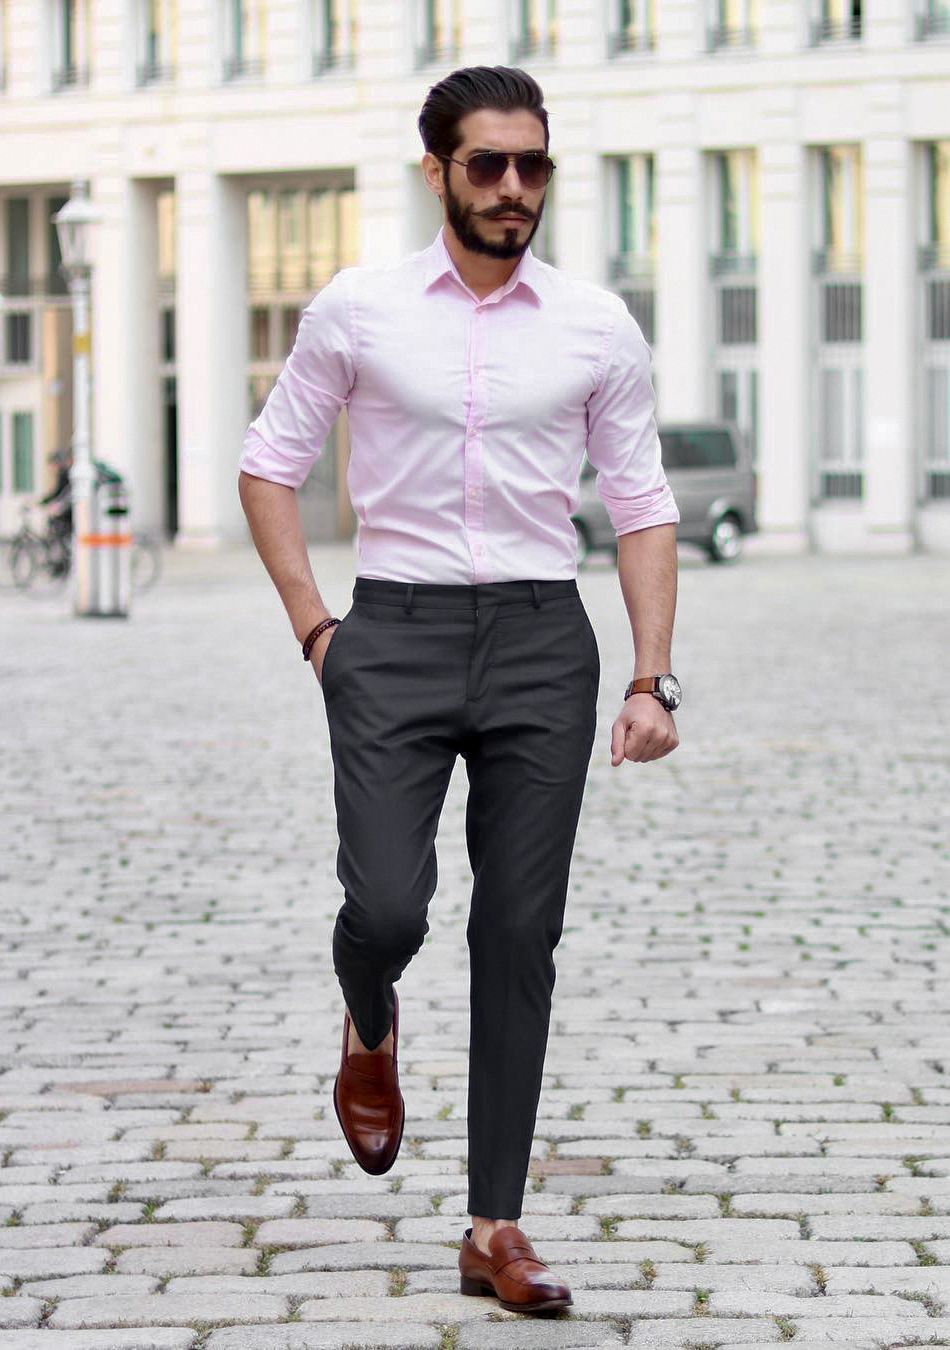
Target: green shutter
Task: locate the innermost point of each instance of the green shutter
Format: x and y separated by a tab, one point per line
23	475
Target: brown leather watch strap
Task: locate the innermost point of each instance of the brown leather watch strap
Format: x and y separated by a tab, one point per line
645	685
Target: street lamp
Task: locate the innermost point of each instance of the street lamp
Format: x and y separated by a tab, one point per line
74	226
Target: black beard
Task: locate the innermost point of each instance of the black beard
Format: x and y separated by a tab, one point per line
462	220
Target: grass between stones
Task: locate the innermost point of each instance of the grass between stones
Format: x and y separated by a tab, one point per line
933	1306
924	1257
397	1283
648	1271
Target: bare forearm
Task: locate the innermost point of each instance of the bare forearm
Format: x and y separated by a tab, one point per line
274	518
647	568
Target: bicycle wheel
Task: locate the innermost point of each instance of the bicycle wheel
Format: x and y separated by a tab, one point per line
146	562
24	562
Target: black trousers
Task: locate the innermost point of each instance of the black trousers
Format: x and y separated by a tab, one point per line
506	675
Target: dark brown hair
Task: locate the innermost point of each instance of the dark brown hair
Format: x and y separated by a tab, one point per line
503	88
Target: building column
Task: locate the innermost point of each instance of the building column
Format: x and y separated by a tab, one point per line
212	348
890	288
682	273
784	428
126	398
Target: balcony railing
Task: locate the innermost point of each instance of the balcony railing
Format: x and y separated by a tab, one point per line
153	72
325	62
933	258
733	264
242	67
70	77
33	288
933	22
629	40
835	30
833	262
432	54
722	37
636	267
528	45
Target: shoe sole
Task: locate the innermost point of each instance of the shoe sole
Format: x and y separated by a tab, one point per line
479	1290
371	1171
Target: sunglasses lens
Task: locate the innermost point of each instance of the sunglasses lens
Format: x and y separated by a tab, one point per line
486	169
533	170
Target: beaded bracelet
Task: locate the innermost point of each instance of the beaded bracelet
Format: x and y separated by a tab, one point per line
314	633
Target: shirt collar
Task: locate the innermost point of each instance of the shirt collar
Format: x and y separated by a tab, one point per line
528	273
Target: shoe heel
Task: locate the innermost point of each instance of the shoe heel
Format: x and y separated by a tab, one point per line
467	1286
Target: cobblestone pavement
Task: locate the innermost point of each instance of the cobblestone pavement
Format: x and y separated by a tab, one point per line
744	1134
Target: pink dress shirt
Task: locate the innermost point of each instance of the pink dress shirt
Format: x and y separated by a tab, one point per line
468	418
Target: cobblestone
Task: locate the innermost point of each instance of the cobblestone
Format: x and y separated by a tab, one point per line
744	1129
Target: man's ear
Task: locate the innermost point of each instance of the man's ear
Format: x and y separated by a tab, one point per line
432	171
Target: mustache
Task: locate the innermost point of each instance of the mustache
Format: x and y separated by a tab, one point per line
497	211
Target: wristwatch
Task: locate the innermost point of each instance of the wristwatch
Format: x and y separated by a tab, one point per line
664	688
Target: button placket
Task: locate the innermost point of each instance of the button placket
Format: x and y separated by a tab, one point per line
473	477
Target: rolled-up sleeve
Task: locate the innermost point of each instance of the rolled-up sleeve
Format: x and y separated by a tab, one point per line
622	440
287	436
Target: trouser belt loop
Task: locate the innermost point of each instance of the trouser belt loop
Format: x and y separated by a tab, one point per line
407	603
536	593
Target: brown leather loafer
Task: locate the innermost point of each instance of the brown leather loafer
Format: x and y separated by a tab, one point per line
512	1273
369	1105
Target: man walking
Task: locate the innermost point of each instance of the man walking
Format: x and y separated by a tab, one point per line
475	378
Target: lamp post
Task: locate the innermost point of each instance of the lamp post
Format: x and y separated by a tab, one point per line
74	226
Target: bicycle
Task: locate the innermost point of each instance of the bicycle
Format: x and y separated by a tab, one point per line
47	558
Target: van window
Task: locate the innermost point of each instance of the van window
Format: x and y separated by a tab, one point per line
697	449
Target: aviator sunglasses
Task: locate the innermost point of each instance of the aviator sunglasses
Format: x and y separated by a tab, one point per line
487	167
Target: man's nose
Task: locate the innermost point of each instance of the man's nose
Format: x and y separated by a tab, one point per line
510	185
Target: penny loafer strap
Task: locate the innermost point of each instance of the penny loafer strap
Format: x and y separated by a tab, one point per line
516	1252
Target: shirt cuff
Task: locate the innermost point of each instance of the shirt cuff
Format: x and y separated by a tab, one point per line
656	507
260	461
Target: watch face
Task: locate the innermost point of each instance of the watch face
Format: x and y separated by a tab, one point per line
671	691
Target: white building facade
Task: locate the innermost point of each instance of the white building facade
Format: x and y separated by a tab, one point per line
766	182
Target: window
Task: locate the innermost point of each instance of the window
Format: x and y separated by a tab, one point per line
535	28
632	243
935	281
631	27
836	21
838	309
736	228
933	18
333	35
732	182
298	238
157	40
732	23
687	449
841	224
17	349
17	230
70	43
23	469
438	31
55	283
244	38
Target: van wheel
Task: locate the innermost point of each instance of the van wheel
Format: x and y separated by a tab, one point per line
726	542
582	546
